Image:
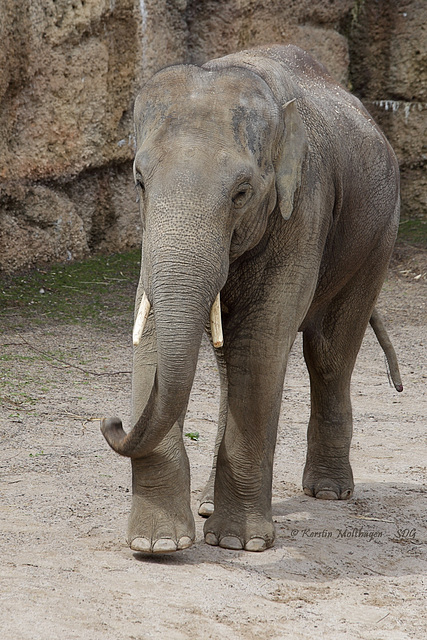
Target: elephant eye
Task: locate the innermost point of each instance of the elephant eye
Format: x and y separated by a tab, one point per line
139	186
139	182
242	196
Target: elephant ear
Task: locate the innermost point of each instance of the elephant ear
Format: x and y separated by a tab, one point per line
290	159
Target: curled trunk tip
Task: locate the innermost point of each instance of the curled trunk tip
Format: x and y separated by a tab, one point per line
113	432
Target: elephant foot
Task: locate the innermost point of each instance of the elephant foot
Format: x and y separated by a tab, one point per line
256	535
328	485
161	520
155	528
162	545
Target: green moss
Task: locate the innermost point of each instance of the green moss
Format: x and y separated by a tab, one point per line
98	291
414	232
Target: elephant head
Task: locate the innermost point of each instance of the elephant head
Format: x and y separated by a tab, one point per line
216	153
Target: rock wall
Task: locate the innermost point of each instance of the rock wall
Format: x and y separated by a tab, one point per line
69	71
388	71
68	74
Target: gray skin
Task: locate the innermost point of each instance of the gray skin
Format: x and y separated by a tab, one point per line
262	178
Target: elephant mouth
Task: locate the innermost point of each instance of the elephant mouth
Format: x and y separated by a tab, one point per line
214	317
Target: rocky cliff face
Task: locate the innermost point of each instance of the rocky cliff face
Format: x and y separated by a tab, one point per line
69	71
68	74
388	71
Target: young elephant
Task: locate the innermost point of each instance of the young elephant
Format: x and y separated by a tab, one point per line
261	178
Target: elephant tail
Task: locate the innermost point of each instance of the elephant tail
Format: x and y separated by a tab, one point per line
390	354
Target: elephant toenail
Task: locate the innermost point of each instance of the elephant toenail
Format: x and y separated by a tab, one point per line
184	543
164	545
308	492
142	545
256	544
206	509
327	494
231	542
346	494
210	538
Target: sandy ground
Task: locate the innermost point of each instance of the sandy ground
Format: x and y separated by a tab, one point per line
350	570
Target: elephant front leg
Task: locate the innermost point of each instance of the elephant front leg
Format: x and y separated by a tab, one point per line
242	517
161	520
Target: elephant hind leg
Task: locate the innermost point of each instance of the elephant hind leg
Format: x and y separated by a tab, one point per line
206	504
331	345
327	473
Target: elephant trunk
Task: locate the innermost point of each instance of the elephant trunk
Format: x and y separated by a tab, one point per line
215	321
181	307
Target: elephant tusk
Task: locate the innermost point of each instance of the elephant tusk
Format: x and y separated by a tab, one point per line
216	324
141	319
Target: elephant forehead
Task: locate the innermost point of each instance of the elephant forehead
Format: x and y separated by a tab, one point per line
220	103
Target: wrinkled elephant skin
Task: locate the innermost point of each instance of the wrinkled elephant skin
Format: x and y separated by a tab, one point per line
260	178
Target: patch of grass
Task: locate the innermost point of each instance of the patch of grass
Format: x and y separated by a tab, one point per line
18	399
12	357
414	232
20	389
193	435
99	291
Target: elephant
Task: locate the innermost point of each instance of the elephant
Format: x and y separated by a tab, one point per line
269	203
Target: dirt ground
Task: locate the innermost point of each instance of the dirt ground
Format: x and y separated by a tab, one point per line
353	570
